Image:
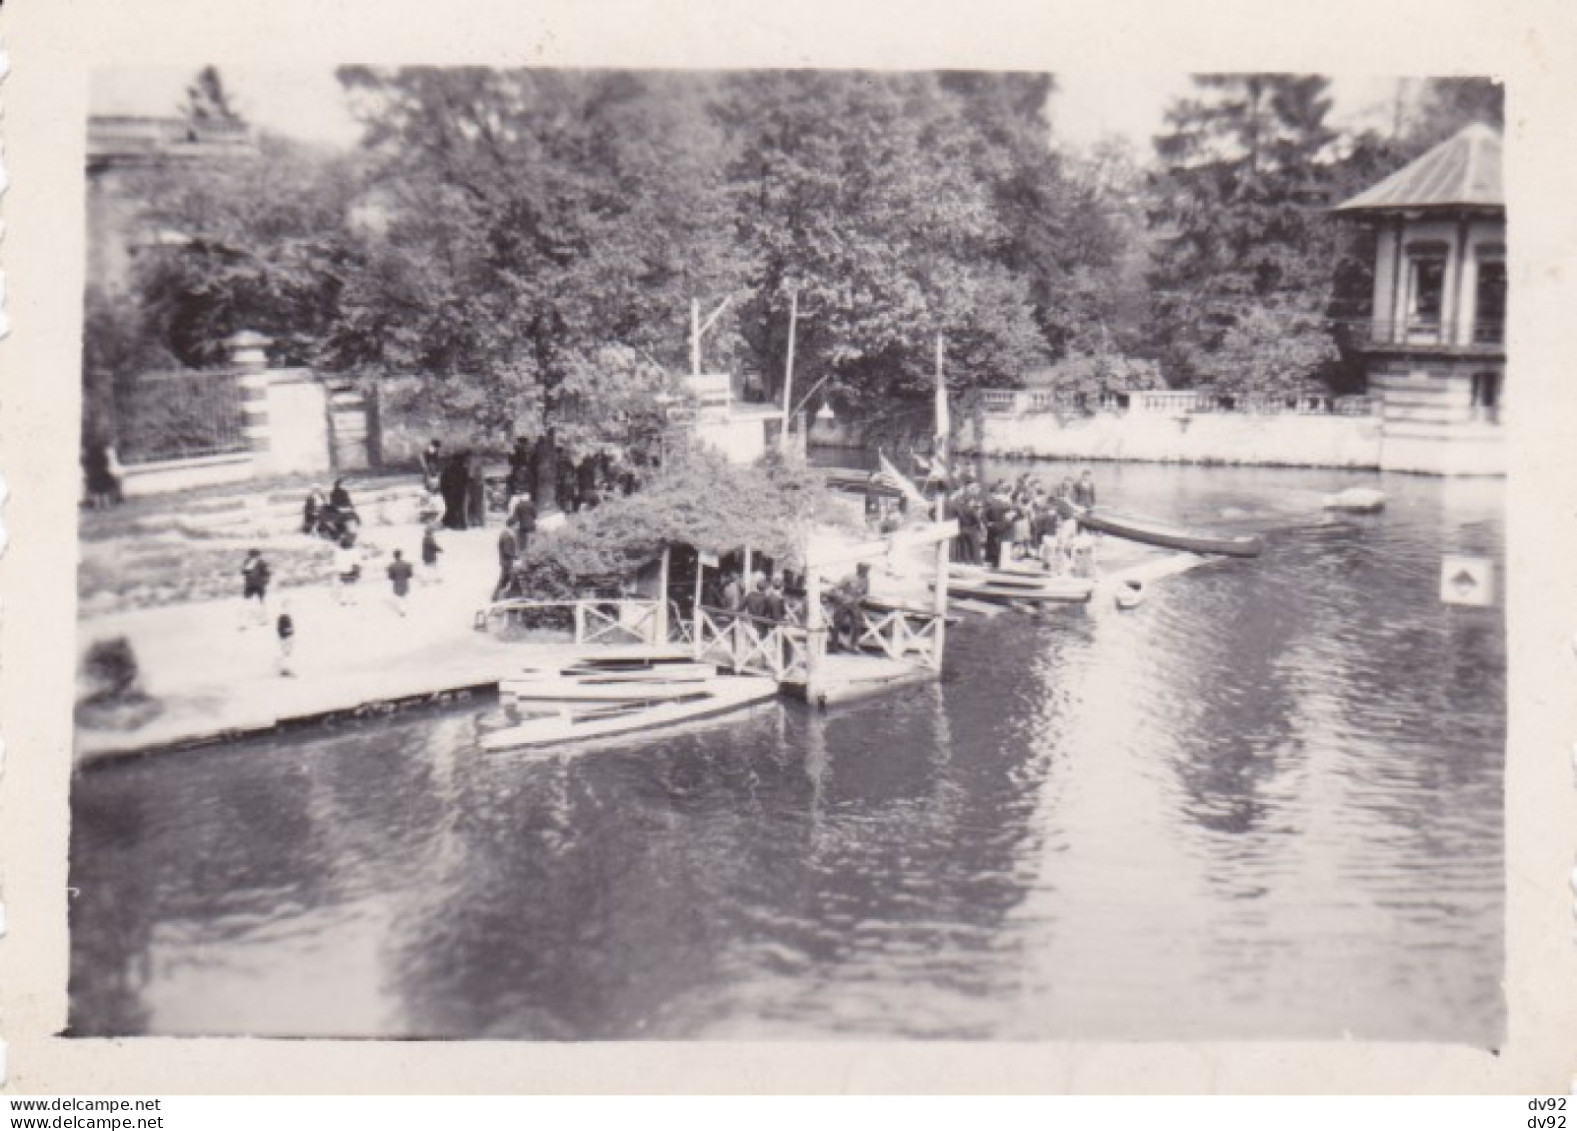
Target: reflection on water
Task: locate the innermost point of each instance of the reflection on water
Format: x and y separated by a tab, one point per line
1265	804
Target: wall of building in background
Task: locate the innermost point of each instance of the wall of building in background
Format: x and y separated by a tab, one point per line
1279	440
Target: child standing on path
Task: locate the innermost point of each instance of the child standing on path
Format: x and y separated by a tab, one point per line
430	551
285	628
400	575
254	583
347	566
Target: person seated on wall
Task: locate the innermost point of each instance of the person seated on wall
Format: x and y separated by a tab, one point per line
312	512
338	517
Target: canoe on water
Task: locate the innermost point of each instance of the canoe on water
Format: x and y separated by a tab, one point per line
716	697
1153	533
1130	595
1356	500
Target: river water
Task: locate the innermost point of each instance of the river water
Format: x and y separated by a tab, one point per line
1267	803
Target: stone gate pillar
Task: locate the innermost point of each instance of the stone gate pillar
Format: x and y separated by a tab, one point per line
249	356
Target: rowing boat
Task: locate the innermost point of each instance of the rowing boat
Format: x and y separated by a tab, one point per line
715	697
991	585
1357	500
647	673
1153	533
578	689
1130	594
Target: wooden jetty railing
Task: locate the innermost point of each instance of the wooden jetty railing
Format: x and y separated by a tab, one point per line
740	642
595	620
901	633
782	649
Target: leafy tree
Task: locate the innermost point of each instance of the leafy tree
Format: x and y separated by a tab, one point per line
859	193
256	242
1445	105
1247	254
697	499
207	99
531	220
118	342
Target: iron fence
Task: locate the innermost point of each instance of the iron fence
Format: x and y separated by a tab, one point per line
183	414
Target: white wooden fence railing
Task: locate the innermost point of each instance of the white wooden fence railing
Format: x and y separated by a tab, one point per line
743	643
1173	402
901	633
594	620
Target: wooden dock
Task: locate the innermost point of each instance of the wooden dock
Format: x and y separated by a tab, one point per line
845	677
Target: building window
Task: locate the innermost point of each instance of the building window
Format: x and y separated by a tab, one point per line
1486	397
1426	289
1489	302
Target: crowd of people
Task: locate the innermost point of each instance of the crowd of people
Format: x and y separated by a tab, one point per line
1000	524
1020	521
780	598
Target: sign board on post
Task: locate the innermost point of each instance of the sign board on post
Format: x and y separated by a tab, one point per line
710	561
1467	580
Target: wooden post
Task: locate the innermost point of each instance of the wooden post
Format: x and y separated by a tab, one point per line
788	368
815	640
662	600
939	638
695	616
695	337
943	431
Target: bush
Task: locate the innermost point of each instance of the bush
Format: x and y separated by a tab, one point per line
114	698
111	670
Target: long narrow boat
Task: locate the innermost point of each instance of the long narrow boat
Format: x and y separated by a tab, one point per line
718	697
1153	533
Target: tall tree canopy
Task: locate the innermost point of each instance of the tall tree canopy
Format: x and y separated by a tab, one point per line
257	241
534	226
1242	274
862	194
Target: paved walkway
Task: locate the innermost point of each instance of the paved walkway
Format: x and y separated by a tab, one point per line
211	675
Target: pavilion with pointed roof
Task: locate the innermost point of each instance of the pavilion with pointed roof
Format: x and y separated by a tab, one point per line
1435	341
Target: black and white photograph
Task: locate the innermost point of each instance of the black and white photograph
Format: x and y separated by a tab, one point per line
611	555
916	569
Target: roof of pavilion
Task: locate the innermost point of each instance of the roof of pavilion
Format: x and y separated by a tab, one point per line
1461	172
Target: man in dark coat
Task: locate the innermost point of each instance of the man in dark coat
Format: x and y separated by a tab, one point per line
508	551
524	519
1084	490
997	524
475	492
432	465
452	485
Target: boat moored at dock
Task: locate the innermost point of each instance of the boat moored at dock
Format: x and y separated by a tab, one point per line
1155	533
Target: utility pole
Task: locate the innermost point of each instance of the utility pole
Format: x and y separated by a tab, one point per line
697	329
788	368
695	337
